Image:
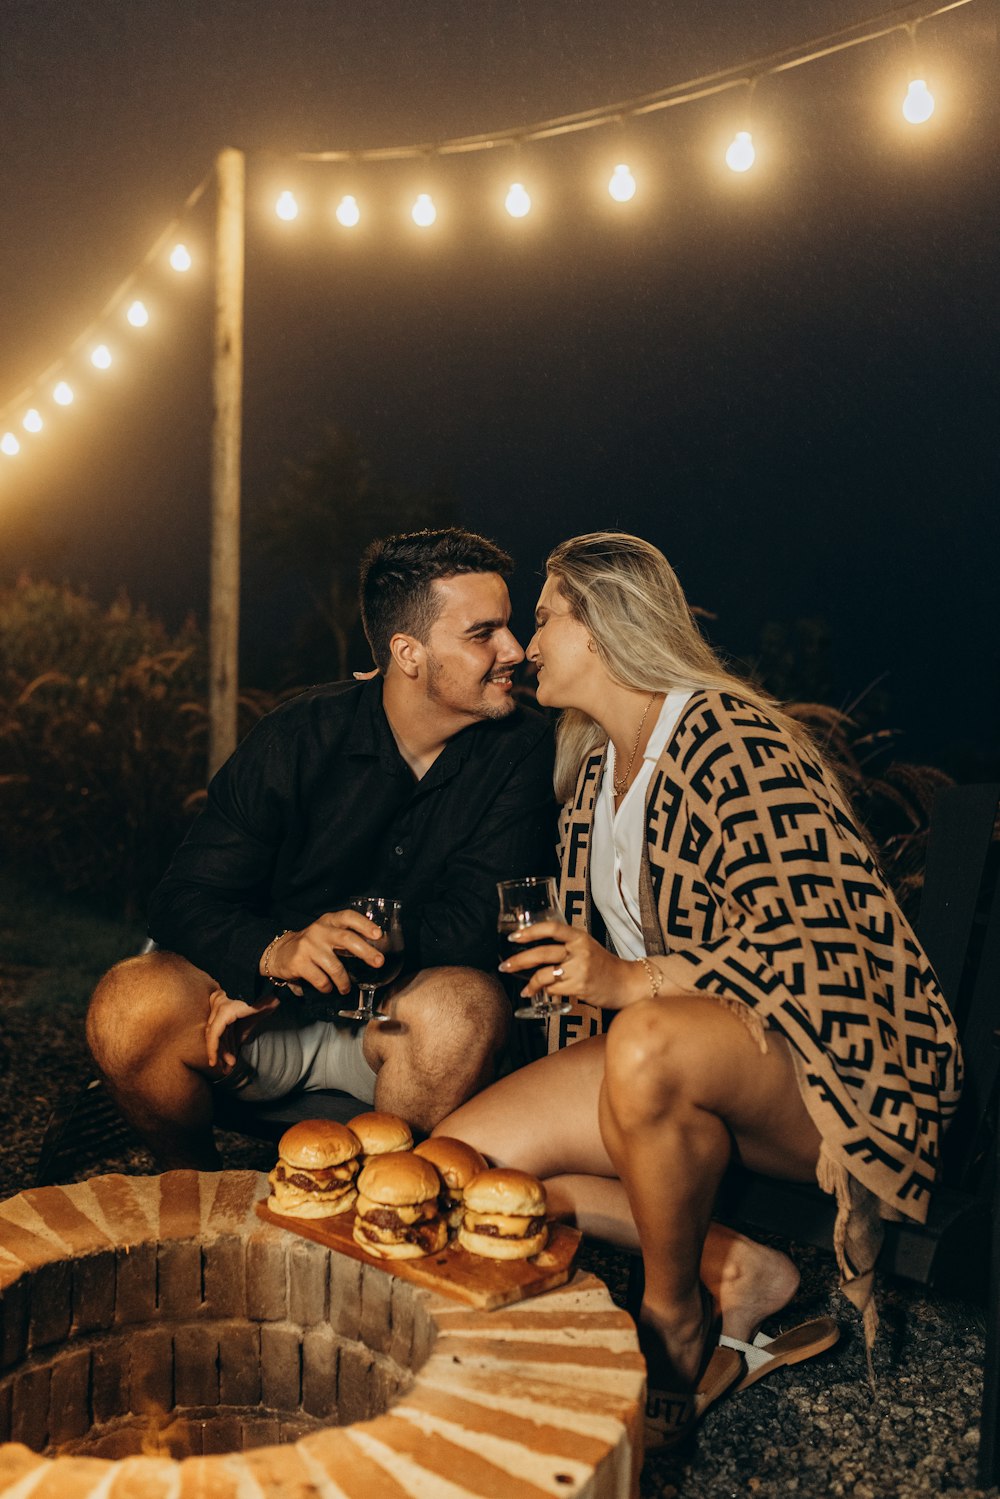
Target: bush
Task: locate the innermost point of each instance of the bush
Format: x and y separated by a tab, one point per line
103	733
891	797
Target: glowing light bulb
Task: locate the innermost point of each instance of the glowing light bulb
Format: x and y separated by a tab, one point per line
348	212
918	105
423	211
138	315
622	184
180	258
9	444
62	394
741	155
101	357
286	207
517	201
32	421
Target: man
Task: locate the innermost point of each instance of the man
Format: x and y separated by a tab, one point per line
426	783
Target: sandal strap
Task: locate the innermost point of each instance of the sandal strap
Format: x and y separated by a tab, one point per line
754	1353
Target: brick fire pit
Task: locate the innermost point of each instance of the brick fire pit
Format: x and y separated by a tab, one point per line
158	1341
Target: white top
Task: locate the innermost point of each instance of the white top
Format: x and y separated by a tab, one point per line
618	837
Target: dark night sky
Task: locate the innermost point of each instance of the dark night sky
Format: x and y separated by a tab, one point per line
787	381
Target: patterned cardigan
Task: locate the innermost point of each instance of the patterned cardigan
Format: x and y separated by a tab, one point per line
758	889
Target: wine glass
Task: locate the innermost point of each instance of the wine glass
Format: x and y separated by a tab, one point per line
522	903
386	914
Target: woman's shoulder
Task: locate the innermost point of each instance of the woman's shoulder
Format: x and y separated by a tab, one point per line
717	722
714	713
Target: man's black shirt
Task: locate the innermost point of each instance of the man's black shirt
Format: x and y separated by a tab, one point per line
317	805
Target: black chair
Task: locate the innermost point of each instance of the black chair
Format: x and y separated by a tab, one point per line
959	926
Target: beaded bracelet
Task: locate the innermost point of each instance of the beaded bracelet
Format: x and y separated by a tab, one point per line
265	962
654	975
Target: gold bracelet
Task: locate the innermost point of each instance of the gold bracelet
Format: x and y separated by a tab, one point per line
653	974
265	961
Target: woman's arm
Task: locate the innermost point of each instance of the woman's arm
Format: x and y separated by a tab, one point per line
571	963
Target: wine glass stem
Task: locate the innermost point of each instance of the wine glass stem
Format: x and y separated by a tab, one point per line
367	996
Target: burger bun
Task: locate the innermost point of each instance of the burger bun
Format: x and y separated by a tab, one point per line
316	1144
513	1193
379	1133
399	1179
489	1247
456	1161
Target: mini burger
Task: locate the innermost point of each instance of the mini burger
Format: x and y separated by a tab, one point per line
397	1208
380	1133
316	1170
504	1217
456	1163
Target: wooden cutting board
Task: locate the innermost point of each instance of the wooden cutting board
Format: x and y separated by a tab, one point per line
454	1272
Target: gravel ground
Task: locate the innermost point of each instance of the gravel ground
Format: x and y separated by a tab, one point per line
813	1430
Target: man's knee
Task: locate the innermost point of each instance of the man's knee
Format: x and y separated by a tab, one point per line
136	1004
455	1009
451	1026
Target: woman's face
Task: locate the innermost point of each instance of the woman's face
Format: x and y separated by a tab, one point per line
561	651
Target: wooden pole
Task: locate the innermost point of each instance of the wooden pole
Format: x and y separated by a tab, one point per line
227	392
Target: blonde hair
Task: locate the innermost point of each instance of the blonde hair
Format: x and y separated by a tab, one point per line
627	596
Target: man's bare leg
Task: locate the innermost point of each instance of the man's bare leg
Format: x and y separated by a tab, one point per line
146	1032
544	1119
448	1026
684	1079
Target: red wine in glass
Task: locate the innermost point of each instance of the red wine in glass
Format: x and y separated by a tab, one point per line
522	903
386	914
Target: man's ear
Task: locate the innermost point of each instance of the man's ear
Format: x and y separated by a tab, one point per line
408	653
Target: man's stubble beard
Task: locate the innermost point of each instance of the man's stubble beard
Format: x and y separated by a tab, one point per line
482	710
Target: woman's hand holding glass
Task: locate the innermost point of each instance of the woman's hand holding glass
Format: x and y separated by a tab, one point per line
577	967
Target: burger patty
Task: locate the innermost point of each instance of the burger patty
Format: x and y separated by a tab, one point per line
424	1234
386	1218
308	1184
532	1226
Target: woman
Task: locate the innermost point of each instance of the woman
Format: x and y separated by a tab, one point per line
767	998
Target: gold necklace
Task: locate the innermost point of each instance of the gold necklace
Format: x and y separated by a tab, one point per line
621	786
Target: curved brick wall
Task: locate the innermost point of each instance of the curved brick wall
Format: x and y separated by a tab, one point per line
159	1313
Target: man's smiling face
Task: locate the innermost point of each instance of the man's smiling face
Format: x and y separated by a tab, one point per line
471	653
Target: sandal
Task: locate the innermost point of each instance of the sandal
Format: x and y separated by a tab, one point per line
765	1354
671	1415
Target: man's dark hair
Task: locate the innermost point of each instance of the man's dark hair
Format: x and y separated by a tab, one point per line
397	574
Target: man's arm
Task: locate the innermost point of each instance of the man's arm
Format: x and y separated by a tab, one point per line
514	835
212	902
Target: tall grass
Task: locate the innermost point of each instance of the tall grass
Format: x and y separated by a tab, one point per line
103	732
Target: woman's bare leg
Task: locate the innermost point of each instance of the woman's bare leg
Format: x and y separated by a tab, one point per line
748	1281
544	1119
685	1081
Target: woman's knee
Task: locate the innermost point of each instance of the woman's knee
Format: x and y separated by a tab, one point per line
652	1060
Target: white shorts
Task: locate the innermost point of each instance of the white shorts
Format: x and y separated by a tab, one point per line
280	1057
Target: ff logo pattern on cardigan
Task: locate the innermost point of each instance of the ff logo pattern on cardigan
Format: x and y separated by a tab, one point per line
758	888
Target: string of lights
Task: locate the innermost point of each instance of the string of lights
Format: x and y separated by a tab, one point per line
901	17
122	306
54	388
